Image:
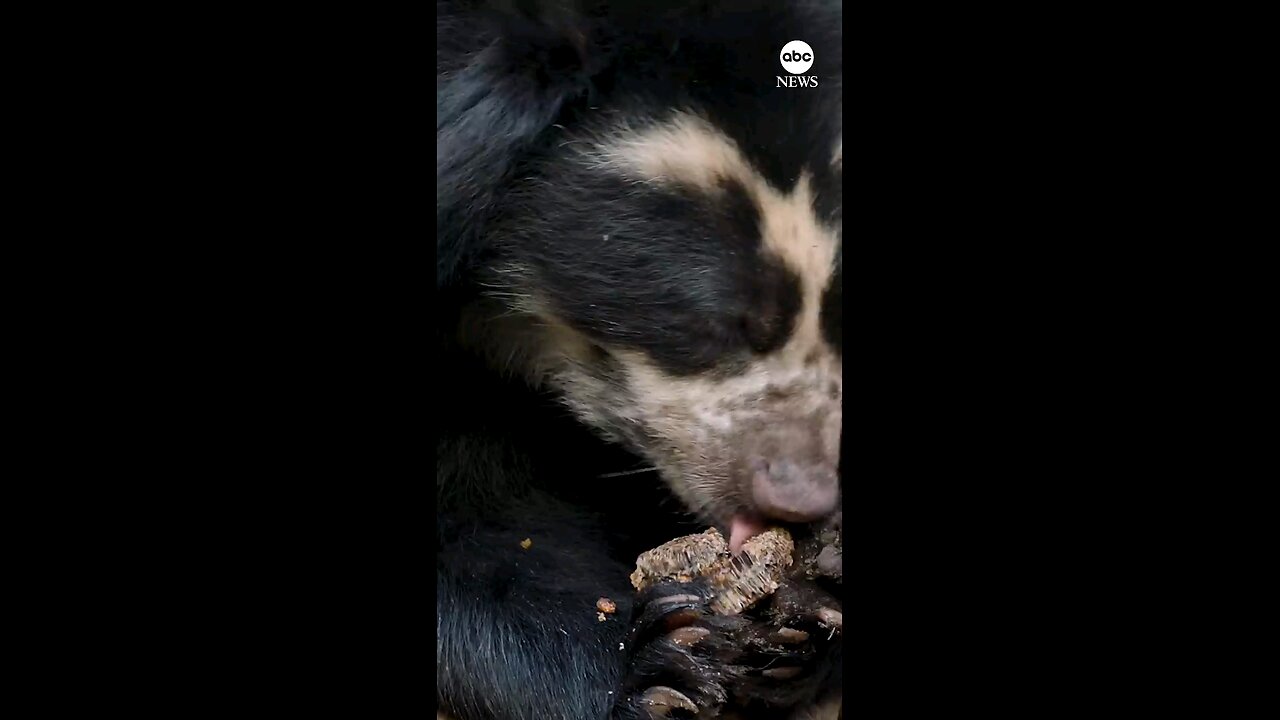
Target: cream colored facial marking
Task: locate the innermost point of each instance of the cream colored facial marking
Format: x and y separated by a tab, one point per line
688	150
698	428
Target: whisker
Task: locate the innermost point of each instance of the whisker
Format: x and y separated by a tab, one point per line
628	472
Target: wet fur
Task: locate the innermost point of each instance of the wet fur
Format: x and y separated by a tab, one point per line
638	267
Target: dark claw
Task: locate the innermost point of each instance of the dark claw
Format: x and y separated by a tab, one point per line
661	700
688	636
679	610
681	618
830	562
673	600
783	673
662	613
830	618
789	636
800	600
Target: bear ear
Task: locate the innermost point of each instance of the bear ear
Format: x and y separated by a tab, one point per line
504	71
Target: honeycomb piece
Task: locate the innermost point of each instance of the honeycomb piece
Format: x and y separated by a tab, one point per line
738	582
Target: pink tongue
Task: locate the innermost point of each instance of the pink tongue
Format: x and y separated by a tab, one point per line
741	529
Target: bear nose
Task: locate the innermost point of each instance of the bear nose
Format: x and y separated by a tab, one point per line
794	492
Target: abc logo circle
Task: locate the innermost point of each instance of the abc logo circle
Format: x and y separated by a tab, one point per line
796	57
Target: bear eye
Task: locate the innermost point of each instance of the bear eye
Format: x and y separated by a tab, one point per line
762	329
770	306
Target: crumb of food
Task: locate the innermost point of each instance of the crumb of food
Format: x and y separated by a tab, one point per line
606	606
601	617
738	582
526	543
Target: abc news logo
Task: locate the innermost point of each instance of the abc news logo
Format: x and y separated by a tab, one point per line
797	58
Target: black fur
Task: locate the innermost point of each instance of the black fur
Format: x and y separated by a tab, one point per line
675	275
609	266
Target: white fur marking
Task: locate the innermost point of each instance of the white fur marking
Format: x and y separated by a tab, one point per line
691	151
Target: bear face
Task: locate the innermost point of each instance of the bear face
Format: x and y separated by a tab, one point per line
667	257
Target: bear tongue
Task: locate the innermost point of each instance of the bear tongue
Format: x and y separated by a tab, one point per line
742	528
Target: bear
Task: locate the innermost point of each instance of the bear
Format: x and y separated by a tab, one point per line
639	335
